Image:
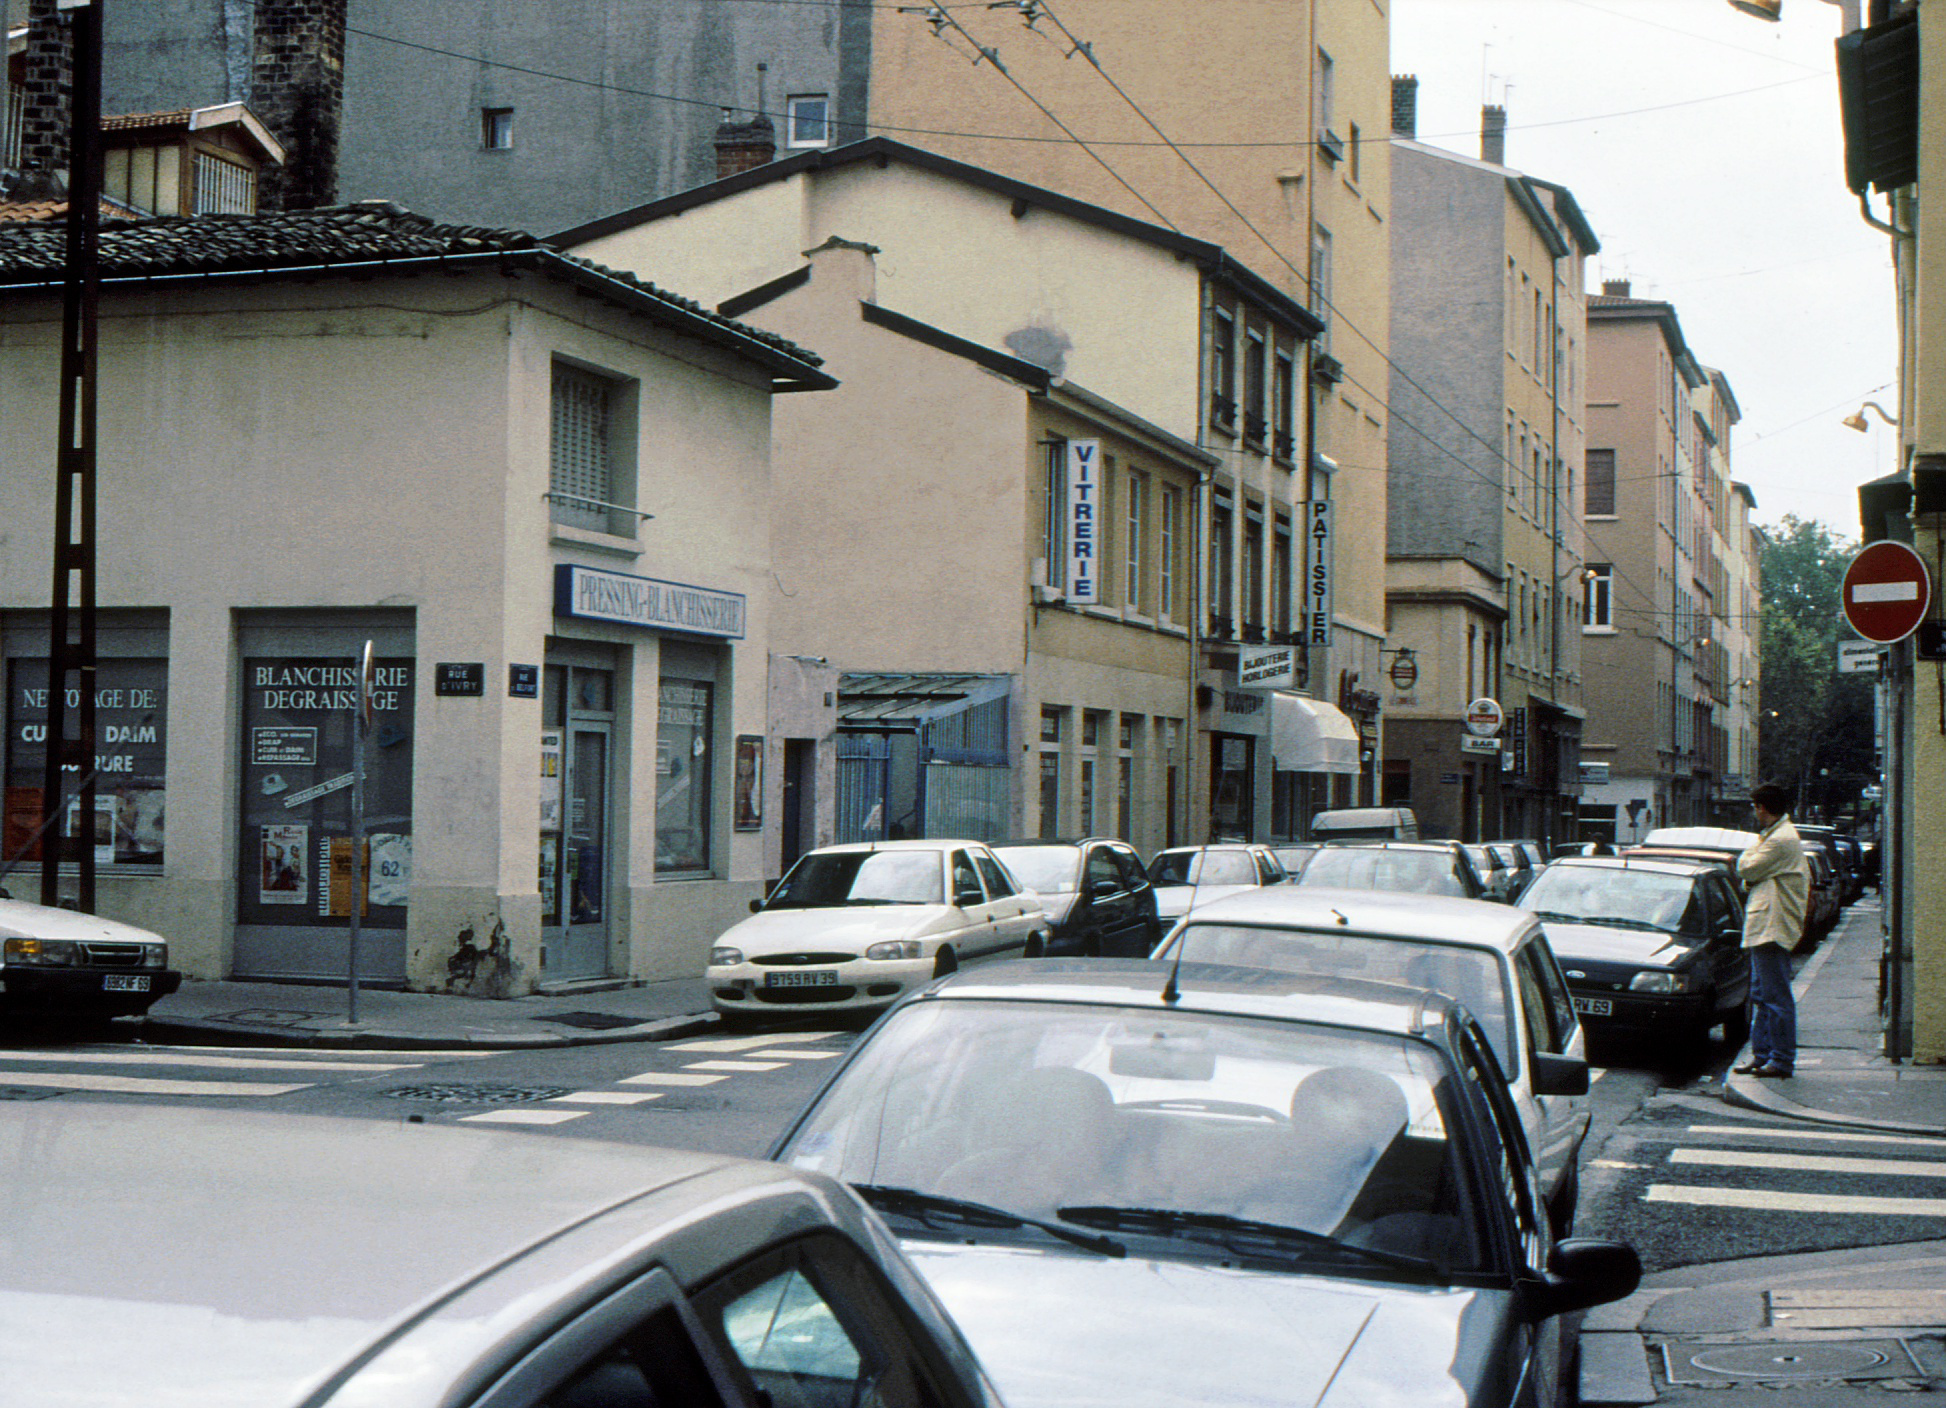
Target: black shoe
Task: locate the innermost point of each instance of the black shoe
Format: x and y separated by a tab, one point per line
1751	1067
1772	1071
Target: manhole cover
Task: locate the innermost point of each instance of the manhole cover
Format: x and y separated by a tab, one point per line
1721	1364
596	1021
476	1094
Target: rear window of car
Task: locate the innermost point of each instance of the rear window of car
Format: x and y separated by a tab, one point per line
1373	868
1204	868
1471	976
1077	1111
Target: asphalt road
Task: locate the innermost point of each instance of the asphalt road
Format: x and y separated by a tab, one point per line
1667	1166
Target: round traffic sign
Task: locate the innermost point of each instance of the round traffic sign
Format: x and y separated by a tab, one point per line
1483	718
1886	592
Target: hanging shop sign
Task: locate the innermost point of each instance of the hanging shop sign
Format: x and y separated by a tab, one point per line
1084	521
1483	718
592	594
1267	667
1317	572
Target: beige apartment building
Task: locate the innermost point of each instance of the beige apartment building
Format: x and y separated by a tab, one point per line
539	489
1485	543
1662	551
1283	111
1138	336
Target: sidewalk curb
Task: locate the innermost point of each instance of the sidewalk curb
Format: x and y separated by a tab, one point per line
164	1031
1750	1093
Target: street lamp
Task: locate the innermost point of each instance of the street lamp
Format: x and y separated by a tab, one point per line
1856	420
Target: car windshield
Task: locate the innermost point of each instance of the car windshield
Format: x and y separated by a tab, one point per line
1640	899
1050	870
1471	976
828	879
1174	1132
1374	868
1203	868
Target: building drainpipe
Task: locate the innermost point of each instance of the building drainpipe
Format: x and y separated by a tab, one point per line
1553	535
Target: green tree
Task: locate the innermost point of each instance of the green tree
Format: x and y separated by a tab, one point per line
1815	728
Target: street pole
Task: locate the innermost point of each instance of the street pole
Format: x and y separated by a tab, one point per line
74	498
360	726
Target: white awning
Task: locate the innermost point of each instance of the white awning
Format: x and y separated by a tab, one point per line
1309	735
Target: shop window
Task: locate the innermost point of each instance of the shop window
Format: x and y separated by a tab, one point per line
684	776
131	717
296	862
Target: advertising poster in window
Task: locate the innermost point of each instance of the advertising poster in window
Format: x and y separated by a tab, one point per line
285	853
131	717
748	802
682	783
298	715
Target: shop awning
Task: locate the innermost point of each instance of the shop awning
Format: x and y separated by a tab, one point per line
1309	735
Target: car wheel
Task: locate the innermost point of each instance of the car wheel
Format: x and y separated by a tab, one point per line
945	963
1036	946
1736	1025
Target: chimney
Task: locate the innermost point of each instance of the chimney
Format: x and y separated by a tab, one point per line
298	89
744	146
46	93
1614	288
1405	104
1493	134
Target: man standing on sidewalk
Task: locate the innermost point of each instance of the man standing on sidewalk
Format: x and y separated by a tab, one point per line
1778	881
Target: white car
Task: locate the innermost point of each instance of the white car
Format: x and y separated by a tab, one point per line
1492	958
857	926
1196	875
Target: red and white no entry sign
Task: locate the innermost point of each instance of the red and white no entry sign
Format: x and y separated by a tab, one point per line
1887	592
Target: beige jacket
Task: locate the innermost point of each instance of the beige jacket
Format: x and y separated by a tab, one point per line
1779	882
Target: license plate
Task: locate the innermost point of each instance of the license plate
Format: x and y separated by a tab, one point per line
817	978
1594	1006
117	983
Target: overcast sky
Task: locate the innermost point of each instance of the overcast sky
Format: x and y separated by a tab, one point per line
1705	148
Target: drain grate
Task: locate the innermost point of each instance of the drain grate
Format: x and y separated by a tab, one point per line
475	1094
1722	1365
595	1021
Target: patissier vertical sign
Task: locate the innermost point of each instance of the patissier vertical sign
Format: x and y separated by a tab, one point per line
1084	521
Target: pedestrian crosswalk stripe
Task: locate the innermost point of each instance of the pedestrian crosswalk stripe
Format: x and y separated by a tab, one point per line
735	1066
1835	1136
522	1117
787	1054
138	1085
604	1097
1807	1163
1774	1200
138	1057
672	1078
746	1043
419	1054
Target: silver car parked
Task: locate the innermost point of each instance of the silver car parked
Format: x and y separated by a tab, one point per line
173	1257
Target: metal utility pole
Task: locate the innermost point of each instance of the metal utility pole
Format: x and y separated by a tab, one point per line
74	499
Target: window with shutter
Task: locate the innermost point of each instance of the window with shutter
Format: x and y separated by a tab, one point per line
581	477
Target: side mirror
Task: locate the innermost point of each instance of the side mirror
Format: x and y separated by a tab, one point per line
756	906
965	898
1581	1273
1099	888
1559	1075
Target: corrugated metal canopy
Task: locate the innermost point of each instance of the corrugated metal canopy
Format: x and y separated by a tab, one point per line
907	701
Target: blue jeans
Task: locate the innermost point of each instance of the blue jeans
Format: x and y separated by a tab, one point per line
1773	1011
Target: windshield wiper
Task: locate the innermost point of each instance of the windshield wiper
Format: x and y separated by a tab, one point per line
1237	1233
924	1207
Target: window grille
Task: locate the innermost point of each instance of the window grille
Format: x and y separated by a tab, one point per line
223	187
581	468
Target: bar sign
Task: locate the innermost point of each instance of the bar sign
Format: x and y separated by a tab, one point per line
1084	522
